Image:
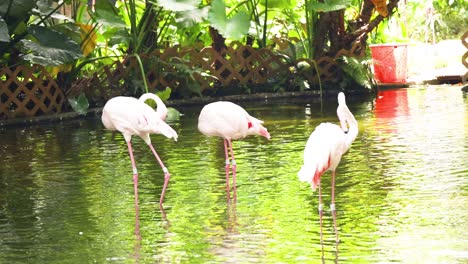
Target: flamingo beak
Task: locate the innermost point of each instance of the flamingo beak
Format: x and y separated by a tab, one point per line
264	132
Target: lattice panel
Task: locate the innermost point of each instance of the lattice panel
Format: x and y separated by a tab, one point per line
464	40
238	65
328	66
28	91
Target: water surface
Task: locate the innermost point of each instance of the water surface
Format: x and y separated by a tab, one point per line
66	190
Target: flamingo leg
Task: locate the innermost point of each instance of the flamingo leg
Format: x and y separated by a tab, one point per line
137	221
167	176
234	165
320	212
135	173
332	205
226	153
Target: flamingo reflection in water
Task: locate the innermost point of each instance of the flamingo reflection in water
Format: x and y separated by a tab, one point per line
323	151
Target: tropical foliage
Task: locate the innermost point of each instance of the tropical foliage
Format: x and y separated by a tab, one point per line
75	39
424	21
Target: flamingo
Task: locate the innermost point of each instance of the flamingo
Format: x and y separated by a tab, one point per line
324	149
229	121
132	116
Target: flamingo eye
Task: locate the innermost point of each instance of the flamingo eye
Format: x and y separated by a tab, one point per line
249	125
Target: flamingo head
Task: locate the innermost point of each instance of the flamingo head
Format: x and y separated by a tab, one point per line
341	98
255	128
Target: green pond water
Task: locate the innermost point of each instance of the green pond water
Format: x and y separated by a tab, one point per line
66	190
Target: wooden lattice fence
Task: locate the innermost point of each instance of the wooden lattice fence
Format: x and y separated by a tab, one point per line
31	91
28	91
464	40
237	65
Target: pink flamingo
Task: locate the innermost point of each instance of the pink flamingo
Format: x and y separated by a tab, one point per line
132	116
231	122
324	149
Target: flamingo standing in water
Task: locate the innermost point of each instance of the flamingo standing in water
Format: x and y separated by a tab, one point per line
324	149
132	116
231	122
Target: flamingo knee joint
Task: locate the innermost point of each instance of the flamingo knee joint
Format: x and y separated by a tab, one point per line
320	208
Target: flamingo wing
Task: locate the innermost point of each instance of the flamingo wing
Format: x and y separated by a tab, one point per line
120	114
322	152
224	119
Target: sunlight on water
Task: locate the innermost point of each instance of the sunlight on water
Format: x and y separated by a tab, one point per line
66	190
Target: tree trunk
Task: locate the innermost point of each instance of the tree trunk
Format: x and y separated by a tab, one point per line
218	41
331	29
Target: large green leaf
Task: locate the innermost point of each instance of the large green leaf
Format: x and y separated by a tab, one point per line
18	8
281	4
107	15
46	8
117	36
330	5
164	95
109	19
172	114
52	48
192	17
235	27
69	29
178	5
79	104
4	36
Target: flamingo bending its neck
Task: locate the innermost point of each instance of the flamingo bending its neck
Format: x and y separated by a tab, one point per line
132	116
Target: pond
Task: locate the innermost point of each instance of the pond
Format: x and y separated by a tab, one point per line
66	190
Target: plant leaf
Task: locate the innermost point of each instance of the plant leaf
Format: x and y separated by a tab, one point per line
331	5
178	5
46	8
19	9
109	19
4	36
117	36
192	17
88	38
164	95
52	47
233	28
217	14
79	104
280	4
172	114
238	26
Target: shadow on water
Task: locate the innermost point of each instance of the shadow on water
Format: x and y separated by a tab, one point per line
66	190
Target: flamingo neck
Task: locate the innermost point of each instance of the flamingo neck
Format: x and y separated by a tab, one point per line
352	126
161	109
347	120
